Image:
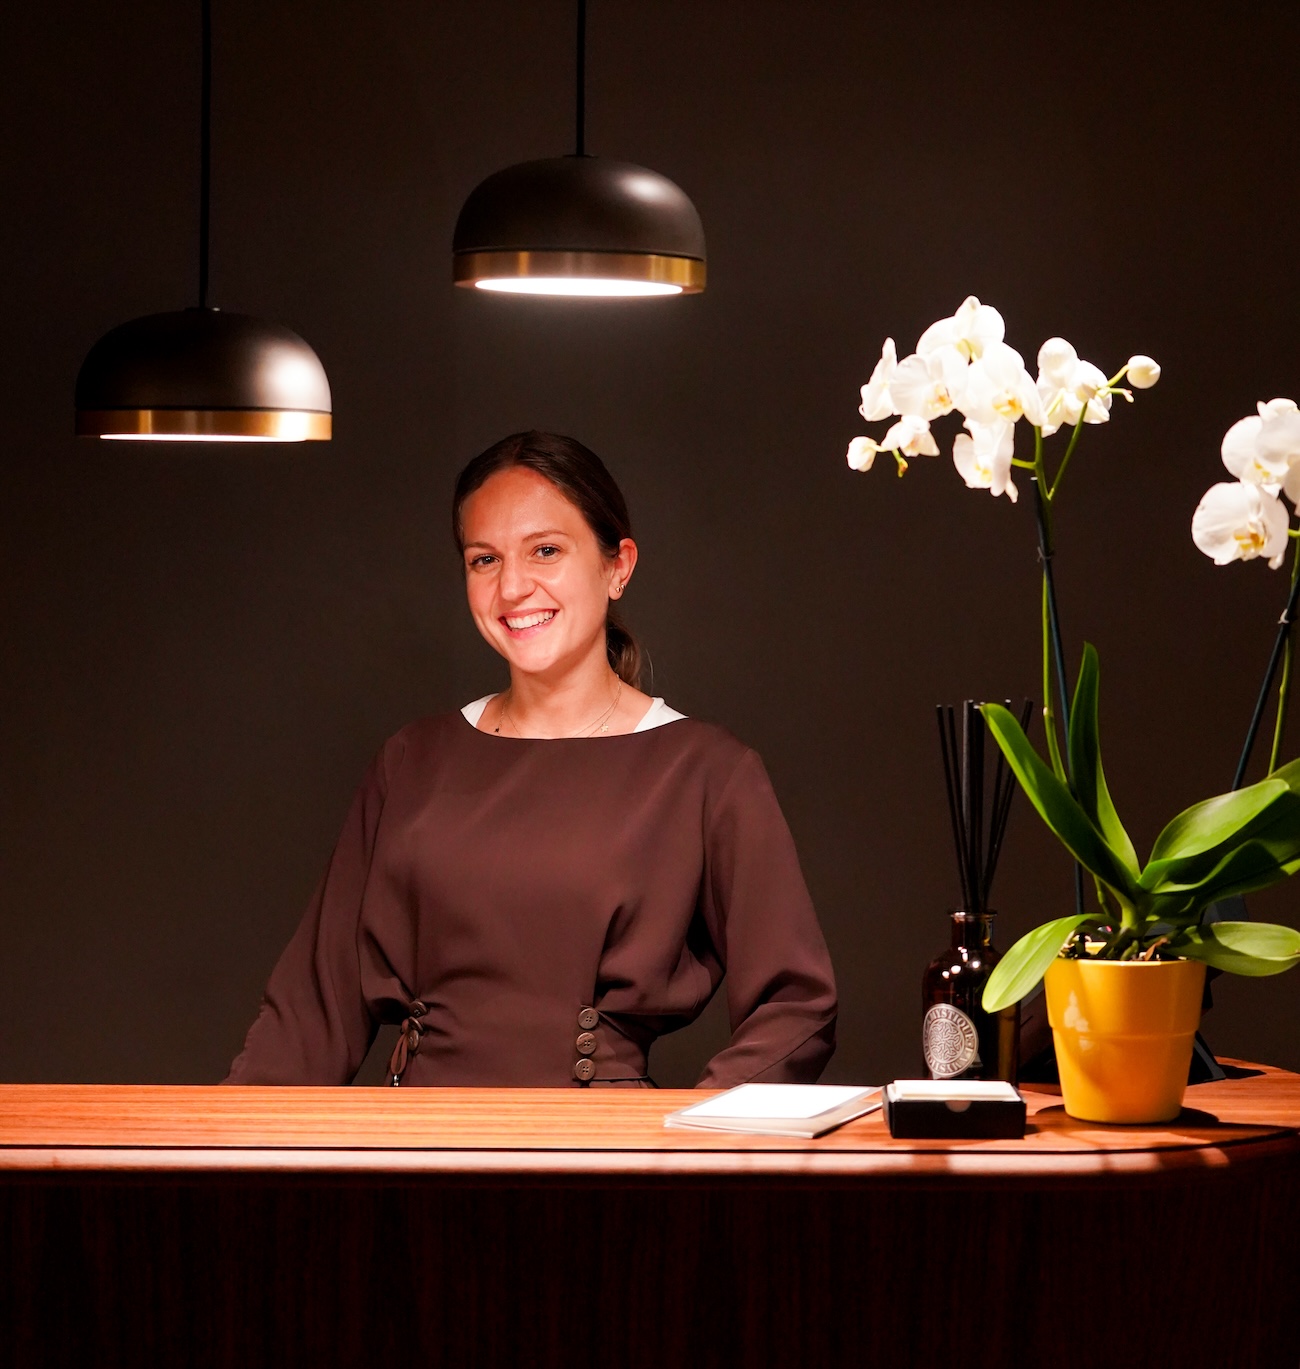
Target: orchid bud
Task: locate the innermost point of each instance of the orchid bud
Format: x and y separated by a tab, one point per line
1142	372
862	452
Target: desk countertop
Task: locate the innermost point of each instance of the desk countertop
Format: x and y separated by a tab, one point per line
1251	1118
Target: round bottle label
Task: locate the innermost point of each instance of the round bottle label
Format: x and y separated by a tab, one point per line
949	1041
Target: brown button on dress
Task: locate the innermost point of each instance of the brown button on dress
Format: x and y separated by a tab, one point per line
514	889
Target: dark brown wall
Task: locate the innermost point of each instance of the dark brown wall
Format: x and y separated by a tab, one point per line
204	647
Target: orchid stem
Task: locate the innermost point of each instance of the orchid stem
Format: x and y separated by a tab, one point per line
1052	617
1049	713
1281	645
1044	543
1052	646
1284	688
1069	452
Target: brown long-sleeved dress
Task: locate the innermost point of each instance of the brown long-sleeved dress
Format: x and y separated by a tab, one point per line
537	912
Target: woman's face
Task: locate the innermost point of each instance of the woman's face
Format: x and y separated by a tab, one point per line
538	583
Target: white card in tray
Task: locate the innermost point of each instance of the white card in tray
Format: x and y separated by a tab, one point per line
953	1091
779	1109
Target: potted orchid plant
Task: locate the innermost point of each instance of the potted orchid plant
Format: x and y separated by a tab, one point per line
1124	973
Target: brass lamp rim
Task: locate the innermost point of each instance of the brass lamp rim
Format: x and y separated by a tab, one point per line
267	425
687	274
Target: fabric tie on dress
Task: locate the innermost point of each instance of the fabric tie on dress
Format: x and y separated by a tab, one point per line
408	1042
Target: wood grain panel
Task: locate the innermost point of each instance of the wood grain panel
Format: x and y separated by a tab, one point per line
222	1269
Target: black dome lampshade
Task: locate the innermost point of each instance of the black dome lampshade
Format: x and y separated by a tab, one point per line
201	375
579	225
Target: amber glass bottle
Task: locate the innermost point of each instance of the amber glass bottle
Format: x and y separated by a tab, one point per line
959	1040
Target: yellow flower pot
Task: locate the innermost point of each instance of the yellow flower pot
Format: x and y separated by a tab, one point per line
1124	1032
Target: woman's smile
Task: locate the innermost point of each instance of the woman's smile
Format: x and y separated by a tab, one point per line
528	624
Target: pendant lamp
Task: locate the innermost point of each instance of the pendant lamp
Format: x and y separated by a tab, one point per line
579	225
201	375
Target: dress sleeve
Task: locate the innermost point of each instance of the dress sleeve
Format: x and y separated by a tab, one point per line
314	1026
779	982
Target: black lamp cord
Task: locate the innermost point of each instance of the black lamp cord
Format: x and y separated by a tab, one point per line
205	152
580	96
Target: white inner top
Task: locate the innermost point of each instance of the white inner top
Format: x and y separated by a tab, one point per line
959	1091
655	716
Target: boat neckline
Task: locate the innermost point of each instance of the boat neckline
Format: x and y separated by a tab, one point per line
608	737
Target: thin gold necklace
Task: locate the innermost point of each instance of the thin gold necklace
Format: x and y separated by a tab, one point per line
601	724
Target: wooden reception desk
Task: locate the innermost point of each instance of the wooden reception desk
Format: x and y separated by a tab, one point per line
451	1227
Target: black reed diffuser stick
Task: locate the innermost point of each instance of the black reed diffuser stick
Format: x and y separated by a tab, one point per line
1004	788
977	843
943	716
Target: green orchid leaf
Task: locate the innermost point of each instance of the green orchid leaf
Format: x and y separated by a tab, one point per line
1019	971
1248	948
1289	774
1057	807
1211	823
1087	779
1188	881
1175	908
1265	856
1245	872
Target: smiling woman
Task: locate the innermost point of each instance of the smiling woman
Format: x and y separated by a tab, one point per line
540	885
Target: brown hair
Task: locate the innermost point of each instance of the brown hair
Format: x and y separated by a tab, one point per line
580	475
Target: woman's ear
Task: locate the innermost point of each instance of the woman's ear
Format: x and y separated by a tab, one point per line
621	568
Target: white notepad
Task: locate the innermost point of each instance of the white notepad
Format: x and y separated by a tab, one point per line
779	1109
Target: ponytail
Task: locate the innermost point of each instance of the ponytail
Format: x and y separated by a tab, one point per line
623	651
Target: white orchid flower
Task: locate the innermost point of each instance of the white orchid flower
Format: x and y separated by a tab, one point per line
1070	389
862	452
971	330
1238	521
997	389
1142	372
983	457
1240	452
910	436
1057	360
1057	363
1279	431
928	386
875	393
1264	449
1092	388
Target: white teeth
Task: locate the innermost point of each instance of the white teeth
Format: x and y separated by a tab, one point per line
530	620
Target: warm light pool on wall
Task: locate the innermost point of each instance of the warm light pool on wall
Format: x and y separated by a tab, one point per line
201	375
579	225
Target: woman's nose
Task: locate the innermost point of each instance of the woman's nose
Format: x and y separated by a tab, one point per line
515	584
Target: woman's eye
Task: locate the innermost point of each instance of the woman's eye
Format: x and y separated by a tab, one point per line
478	562
547	553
